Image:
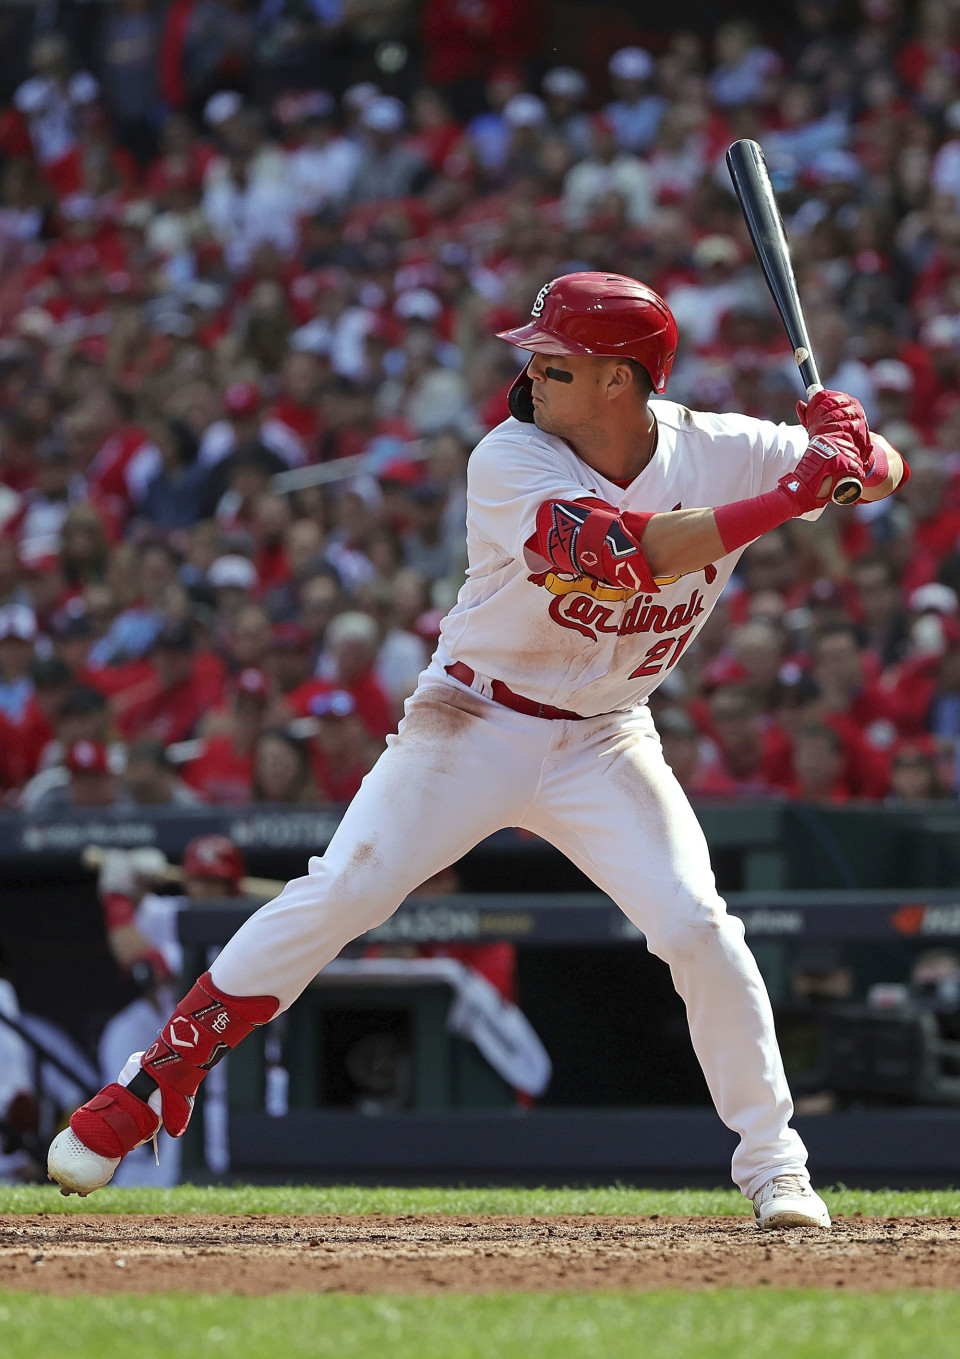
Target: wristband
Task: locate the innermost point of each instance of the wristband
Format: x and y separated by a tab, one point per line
746	520
879	468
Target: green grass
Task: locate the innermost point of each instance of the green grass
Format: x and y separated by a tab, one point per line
724	1325
348	1199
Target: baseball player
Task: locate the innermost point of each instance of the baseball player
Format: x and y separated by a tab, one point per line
601	528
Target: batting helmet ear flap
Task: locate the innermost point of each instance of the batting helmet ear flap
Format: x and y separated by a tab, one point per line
520	398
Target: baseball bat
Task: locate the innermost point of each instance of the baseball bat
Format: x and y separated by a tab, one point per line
94	855
751	182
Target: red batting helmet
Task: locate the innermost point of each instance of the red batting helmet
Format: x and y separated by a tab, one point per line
605	314
214	856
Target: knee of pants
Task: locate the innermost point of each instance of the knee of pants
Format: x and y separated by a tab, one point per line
362	894
693	928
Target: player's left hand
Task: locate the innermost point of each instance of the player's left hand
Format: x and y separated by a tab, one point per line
835	413
824	463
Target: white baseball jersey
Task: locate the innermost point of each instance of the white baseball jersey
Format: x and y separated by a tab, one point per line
570	641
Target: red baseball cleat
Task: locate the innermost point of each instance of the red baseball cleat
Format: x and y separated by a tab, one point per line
202	1029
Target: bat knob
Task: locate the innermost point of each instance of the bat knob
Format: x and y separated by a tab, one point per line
847	491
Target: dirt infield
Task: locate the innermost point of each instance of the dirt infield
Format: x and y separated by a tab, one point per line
51	1253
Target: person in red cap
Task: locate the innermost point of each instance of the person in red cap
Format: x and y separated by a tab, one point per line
92	783
601	529
222	770
212	867
240	425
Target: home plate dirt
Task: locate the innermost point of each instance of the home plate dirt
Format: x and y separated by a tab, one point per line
429	1253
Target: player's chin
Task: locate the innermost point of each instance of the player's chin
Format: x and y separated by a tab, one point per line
542	421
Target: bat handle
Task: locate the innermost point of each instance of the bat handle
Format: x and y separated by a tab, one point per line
848	490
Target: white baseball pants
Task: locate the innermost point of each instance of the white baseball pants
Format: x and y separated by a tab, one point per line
462	767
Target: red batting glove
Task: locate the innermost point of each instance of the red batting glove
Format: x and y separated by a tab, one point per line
794	494
836	413
834	457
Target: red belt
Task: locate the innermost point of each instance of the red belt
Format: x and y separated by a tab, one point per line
505	696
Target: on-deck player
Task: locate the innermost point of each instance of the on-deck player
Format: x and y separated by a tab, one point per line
595	555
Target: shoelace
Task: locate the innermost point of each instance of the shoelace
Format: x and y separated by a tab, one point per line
791	1184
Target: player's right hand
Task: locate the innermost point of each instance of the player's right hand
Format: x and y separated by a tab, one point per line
824	462
836	413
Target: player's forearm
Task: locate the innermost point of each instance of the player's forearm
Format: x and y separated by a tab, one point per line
687	540
682	541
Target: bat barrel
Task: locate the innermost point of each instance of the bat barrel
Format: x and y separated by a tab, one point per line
751	183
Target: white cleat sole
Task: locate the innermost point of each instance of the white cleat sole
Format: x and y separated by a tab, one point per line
75	1168
790	1218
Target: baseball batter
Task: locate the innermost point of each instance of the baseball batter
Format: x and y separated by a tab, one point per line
601	529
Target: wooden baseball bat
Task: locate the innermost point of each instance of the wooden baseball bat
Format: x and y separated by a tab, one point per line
94	855
751	182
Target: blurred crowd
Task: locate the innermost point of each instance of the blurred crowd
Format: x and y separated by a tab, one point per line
253	257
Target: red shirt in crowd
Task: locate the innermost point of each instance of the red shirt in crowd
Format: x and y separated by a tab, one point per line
124	465
340	783
170	714
467	41
22	742
221	774
368	694
865	771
